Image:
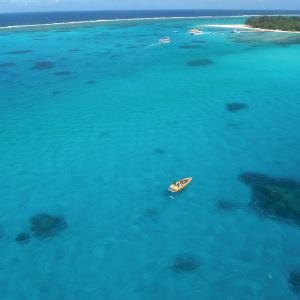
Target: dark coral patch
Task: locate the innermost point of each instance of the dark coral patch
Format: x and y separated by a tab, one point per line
273	197
115	56
63	73
132	47
19	52
294	281
236	106
56	93
158	151
185	263
152	214
189	47
45	225
102	34
199	62
7	65
104	135
91	82
227	205
23	238
43	65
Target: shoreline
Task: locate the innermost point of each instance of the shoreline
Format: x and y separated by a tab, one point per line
89	22
249	28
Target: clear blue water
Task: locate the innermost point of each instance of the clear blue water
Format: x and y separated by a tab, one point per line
100	144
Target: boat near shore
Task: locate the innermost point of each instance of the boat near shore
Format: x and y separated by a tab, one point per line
165	40
195	31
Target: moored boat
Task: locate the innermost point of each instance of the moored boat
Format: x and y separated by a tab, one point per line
179	185
195	31
165	40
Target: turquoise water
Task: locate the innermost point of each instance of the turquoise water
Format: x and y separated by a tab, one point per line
96	122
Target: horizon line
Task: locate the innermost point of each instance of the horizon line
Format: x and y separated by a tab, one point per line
154	9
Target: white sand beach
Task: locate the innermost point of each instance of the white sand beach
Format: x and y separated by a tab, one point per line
247	27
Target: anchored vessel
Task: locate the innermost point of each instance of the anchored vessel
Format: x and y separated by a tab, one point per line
179	185
195	31
165	40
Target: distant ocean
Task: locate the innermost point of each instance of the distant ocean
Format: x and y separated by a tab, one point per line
10	19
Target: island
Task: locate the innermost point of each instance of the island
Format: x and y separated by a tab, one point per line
275	23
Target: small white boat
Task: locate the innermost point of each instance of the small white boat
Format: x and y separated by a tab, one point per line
165	40
195	31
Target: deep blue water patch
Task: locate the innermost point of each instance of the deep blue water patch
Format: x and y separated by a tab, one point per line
58	17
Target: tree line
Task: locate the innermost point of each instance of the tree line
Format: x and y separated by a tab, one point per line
275	23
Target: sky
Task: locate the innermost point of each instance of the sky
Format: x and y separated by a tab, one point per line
54	5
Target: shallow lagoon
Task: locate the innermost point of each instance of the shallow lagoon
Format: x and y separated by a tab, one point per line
101	156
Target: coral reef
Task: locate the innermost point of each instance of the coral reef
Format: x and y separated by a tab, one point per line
185	263
23	238
56	93
294	280
43	65
151	213
44	225
7	65
91	82
63	73
19	52
227	205
189	47
158	151
274	197
199	62
236	106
